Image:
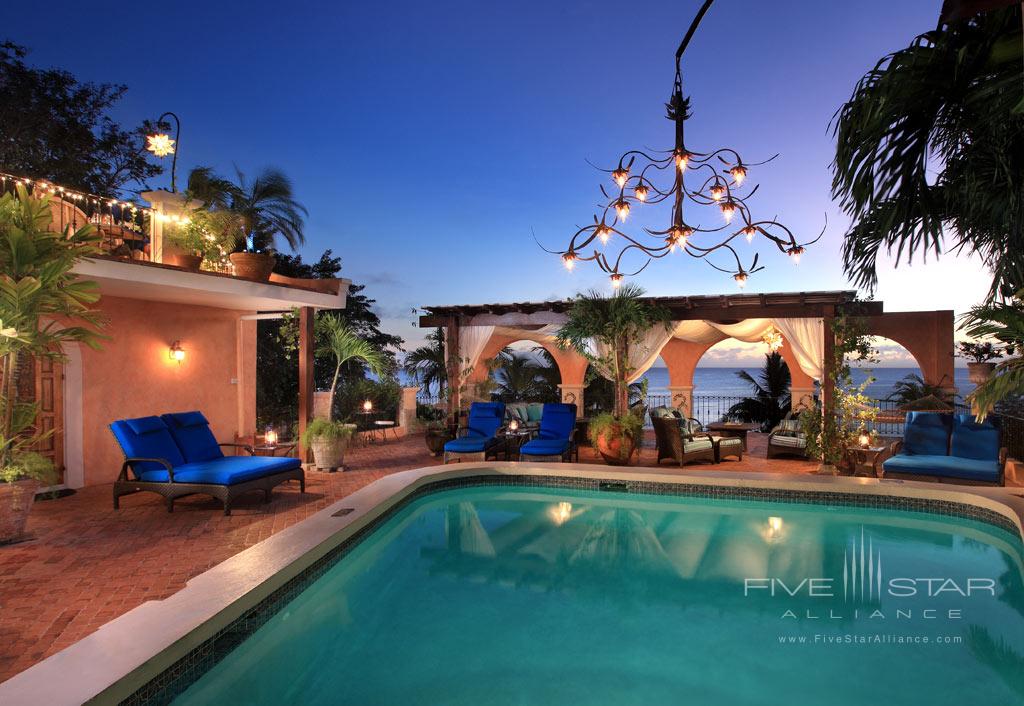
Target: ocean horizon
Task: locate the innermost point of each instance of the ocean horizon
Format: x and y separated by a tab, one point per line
724	382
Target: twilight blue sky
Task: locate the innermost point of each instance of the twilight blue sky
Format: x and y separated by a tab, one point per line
429	139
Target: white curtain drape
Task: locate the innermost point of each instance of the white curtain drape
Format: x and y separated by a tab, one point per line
807	339
472	341
643	352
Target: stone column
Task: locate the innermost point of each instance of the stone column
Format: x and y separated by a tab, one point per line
164	204
573	394
803	397
320	401
406	416
681	397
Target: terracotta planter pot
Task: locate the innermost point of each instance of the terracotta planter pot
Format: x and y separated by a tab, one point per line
615	447
184	260
979	373
436	439
15	504
253	265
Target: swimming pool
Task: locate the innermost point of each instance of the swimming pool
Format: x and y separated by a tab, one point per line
533	595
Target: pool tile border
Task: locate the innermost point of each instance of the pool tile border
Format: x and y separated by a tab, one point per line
177	678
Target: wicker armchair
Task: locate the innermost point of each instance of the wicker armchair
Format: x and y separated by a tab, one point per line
678	443
787	438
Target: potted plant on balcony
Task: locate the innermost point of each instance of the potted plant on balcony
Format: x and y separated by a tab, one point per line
37	290
610	332
204	235
260	210
980	355
325	436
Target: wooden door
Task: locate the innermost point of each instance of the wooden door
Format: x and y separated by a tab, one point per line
49	393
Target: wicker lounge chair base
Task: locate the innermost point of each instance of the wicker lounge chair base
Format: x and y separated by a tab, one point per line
225	493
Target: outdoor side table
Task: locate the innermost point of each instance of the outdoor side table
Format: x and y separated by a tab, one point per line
280	449
864	459
382	425
513	441
736	429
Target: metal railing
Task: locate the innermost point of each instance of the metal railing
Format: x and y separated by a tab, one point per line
124	227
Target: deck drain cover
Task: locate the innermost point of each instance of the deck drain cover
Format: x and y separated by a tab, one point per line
343	511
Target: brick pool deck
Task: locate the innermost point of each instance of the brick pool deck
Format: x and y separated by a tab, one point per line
86	564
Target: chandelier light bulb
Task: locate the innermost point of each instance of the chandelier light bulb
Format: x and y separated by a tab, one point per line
569	260
620	175
738	173
750	232
616	280
794	253
728	210
682	160
604	233
641	192
622	209
717	192
741	279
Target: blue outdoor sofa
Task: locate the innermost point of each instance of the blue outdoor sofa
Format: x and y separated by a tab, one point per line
947	448
481	434
177	455
556	438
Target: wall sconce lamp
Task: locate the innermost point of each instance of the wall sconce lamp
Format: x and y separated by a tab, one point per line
176	352
367	406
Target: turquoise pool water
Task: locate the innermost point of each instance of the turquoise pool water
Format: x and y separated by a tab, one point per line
539	596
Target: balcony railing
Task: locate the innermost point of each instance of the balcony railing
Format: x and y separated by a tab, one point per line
125	228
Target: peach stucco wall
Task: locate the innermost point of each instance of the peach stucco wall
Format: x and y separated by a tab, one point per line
132	376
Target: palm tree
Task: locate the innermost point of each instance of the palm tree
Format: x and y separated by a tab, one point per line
615	322
932	143
427	364
521	376
344	346
771	400
913	388
263	208
1003	321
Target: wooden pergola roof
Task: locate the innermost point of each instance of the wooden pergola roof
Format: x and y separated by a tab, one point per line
716	307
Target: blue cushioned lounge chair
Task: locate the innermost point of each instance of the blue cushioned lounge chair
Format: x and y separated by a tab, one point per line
555	440
480	437
177	455
947	448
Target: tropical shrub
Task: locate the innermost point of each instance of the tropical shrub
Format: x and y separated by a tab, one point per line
771	399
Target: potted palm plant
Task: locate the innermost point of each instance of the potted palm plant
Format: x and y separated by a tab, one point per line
328	438
980	355
261	210
37	290
606	330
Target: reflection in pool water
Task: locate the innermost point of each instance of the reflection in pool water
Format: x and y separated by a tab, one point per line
536	596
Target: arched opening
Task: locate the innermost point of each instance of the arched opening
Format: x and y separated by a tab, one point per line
900	378
655	385
521	371
740	381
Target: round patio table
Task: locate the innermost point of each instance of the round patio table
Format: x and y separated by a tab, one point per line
736	429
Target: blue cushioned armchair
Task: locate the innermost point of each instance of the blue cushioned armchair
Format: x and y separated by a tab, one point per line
177	455
556	438
480	436
947	448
